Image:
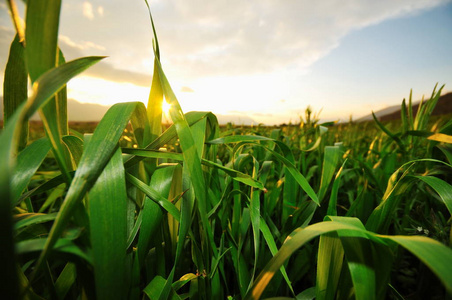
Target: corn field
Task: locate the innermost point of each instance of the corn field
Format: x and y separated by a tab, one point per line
136	210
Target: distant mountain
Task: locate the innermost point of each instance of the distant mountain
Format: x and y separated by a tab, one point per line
87	112
235	119
77	111
443	107
380	113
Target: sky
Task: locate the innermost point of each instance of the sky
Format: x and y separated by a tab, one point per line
258	61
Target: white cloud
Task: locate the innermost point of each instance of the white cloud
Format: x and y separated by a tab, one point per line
84	45
88	10
235	37
227	38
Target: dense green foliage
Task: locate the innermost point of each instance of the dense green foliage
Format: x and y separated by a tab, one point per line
130	211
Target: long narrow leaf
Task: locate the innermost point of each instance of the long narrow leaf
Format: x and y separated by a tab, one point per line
15	87
108	217
95	157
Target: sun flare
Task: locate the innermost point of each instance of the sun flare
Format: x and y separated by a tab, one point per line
165	107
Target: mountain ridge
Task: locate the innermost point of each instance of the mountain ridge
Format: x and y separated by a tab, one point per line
443	107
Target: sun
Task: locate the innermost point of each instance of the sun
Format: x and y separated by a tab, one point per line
165	107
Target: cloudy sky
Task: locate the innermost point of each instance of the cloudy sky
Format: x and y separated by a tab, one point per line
265	60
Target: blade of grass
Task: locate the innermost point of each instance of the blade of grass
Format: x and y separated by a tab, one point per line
443	189
191	157
273	249
154	195
168	135
41	32
298	239
32	219
108	217
28	162
43	89
236	175
428	108
379	219
329	264
331	157
301	180
95	157
332	204
63	246
435	255
395	138
15	87
75	147
17	20
65	281
432	253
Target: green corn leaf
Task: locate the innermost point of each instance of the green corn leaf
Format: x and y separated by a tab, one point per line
395	138
154	107
15	87
154	195
273	249
65	280
140	126
239	139
308	294
54	80
298	239
63	246
28	162
154	289
301	180
168	135
61	102
46	186
427	110
183	181
33	219
47	85
108	217
236	175
151	217
191	156
41	52
329	264
75	147
184	280
332	204
432	253
435	255
447	150
290	188
255	214
410	111
362	264
41	33
443	189
331	157
404	117
95	157
58	192
380	217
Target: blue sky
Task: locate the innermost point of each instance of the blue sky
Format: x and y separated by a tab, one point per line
260	61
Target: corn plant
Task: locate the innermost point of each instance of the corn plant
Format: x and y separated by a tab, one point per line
137	210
